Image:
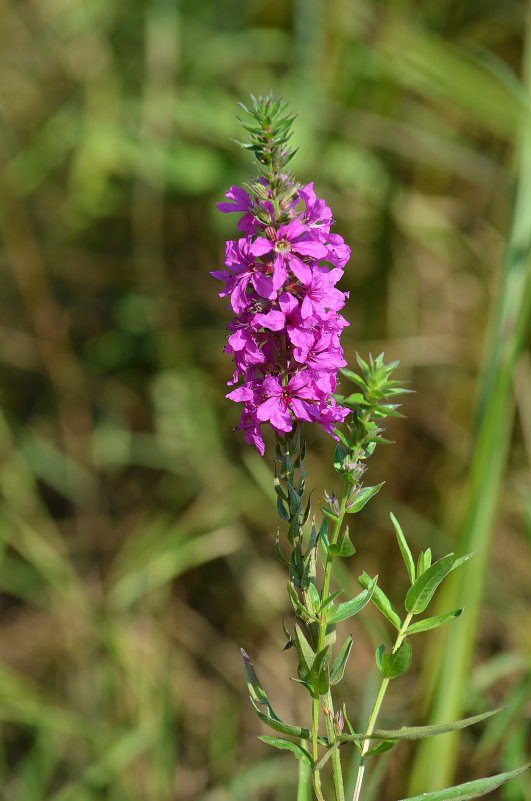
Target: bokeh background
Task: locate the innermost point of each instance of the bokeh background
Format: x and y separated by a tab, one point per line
136	527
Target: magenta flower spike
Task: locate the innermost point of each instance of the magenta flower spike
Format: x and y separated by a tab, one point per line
281	277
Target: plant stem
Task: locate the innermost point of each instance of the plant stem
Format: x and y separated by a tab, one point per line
376	709
336	759
315	750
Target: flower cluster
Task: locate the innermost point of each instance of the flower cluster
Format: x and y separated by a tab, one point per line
284	338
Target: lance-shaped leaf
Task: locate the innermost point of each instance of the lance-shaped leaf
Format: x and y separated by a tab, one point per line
305	654
404	549
393	665
297	606
433	622
419	732
331	598
315	598
468	790
279	553
338	665
344	547
424	561
329	513
421	593
350	608
278	742
363	497
281	509
461	559
258	697
381	601
380	748
309	571
320	676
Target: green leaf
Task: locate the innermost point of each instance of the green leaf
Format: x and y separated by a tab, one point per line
363	497
298	608
421	593
433	622
305	654
353	377
278	742
461	559
332	598
473	789
420	732
295	500
404	549
356	399
315	598
258	697
279	553
338	665
423	562
339	434
281	509
350	608
323	534
339	455
344	547
329	513
320	678
380	748
394	664
352	737
381	601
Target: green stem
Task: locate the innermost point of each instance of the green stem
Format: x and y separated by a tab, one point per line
336	759
376	710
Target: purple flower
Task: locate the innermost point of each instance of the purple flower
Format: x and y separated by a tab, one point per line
282	400
285	336
240	202
243	268
320	295
289	243
317	214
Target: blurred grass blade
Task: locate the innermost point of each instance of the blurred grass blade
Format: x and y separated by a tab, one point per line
448	667
304	783
101	773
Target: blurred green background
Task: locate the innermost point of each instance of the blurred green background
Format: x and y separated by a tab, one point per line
136	528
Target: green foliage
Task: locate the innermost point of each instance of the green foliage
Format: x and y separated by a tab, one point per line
287	745
473	789
421	592
420	732
259	698
396	663
351	608
340	662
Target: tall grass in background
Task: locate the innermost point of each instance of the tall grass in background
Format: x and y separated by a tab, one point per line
131	570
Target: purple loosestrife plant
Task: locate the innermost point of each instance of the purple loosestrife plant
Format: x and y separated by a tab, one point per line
281	276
